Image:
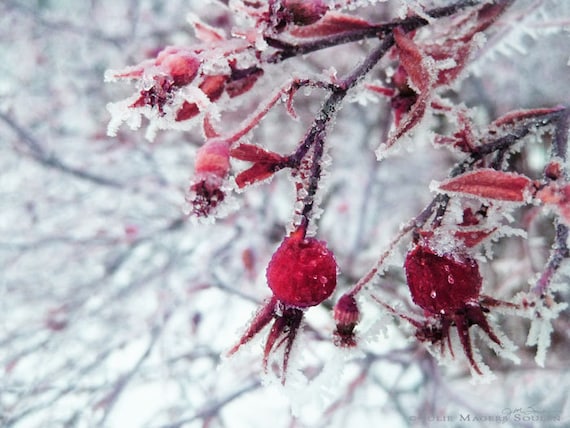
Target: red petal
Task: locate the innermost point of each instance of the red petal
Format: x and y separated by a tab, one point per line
490	184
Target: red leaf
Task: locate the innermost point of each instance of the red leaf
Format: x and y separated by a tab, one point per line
490	184
251	153
456	50
519	115
411	58
488	14
408	122
331	24
305	12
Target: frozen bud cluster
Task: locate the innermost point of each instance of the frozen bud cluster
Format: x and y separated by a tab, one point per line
211	169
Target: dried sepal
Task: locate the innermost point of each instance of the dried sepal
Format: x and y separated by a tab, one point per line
265	163
542	311
283	332
261	319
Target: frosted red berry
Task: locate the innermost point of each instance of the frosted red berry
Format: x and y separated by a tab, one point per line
441	282
302	272
448	286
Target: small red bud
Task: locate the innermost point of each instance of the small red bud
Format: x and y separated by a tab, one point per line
213	158
346	315
553	170
182	66
346	311
211	169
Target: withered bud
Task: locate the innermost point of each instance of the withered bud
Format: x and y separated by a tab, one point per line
346	315
305	12
553	170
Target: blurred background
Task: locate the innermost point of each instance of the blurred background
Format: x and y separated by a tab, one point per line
117	311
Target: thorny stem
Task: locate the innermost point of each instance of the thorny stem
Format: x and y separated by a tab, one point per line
561	134
413	224
315	138
560	250
505	142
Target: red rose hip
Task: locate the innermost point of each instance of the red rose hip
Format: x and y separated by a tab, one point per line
441	282
302	272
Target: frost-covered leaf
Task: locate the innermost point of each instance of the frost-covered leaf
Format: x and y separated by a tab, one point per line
414	61
490	184
517	116
332	23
